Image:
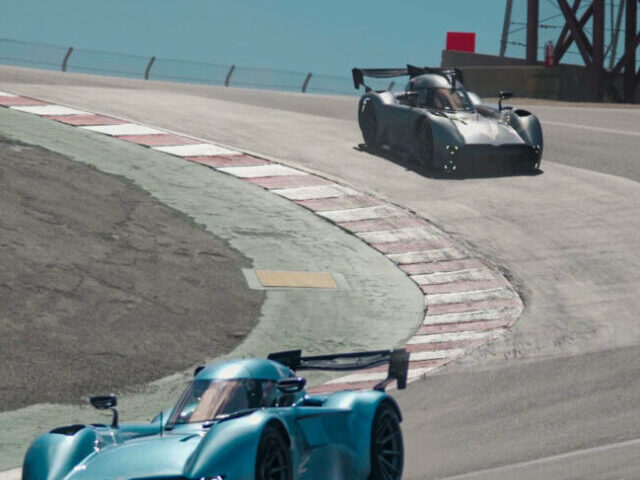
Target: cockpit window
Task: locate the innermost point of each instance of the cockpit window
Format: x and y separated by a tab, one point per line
445	99
206	399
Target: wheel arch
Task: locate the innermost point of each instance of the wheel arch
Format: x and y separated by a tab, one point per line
364	404
444	134
394	405
375	471
528	127
277	423
217	453
60	450
373	99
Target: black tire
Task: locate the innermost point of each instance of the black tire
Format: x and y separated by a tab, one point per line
273	461
387	450
368	121
424	145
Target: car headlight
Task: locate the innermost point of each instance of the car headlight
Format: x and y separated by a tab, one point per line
452	149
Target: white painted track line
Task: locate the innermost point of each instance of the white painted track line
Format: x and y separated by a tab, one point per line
595	129
454	336
6	94
463	297
364	213
123	129
50	110
517	470
437	255
400	235
468	275
271	170
314	193
437	354
197	150
464	317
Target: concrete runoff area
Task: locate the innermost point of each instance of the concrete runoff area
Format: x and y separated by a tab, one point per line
102	286
568	237
381	308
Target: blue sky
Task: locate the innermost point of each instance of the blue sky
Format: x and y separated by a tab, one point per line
326	36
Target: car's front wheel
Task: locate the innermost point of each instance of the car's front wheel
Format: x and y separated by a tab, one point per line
273	461
387	450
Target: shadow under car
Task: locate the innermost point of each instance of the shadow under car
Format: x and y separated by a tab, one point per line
466	168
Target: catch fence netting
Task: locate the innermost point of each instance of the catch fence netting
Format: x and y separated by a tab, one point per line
29	54
80	60
106	63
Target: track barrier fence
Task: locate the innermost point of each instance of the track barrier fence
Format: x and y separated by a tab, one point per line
79	60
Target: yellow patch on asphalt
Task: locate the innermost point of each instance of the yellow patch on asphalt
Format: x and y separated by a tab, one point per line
277	278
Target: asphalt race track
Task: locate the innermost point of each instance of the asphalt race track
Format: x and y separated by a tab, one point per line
557	398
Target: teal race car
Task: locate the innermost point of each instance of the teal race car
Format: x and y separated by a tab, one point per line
249	419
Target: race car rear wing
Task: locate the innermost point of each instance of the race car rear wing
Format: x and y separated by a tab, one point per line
397	359
451	74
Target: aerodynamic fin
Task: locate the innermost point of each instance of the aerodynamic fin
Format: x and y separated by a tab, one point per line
451	74
360	73
397	359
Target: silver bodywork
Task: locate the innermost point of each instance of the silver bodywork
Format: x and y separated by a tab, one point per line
481	139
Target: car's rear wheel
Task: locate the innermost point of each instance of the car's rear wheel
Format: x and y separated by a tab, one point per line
368	121
424	150
387	450
273	461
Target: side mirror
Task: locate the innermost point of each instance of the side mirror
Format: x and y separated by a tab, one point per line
503	96
106	402
103	402
291	385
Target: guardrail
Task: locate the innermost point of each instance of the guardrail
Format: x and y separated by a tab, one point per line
72	59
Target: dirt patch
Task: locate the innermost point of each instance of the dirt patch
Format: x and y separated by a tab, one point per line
102	286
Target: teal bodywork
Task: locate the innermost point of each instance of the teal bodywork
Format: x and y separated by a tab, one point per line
329	438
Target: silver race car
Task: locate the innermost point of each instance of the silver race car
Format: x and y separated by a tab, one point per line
441	126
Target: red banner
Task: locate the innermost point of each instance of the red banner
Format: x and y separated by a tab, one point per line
461	41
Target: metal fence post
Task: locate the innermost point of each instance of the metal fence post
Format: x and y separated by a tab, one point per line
148	69
66	59
228	79
390	87
306	82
